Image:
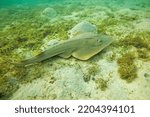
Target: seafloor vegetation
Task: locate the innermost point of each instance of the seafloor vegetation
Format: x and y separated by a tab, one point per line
24	34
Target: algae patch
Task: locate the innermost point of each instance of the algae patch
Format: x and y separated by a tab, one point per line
102	84
127	68
136	41
59	29
91	71
143	53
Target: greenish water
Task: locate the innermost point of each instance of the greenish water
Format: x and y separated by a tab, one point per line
106	2
19	2
28	26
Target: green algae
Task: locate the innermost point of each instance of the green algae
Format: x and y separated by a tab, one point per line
105	24
30	35
10	75
60	29
102	84
91	71
8	85
136	38
137	41
13	36
143	53
127	69
17	36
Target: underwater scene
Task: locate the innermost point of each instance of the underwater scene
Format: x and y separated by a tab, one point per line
75	49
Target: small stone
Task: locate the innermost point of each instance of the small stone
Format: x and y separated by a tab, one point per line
49	13
82	27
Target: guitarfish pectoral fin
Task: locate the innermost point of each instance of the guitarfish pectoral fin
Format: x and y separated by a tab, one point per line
65	54
86	53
